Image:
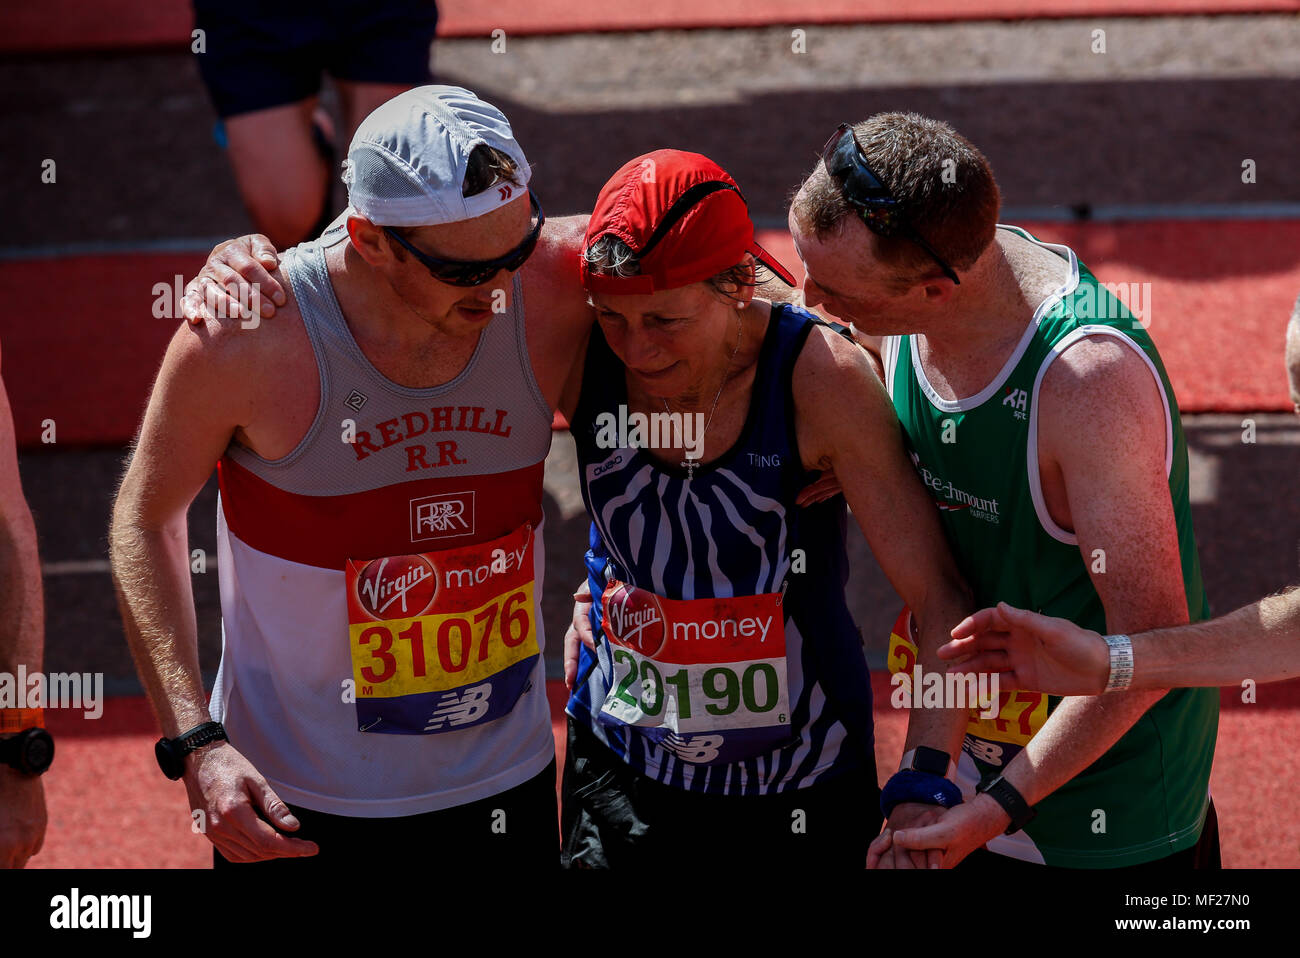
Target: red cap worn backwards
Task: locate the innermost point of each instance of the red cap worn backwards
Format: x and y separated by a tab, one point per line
683	217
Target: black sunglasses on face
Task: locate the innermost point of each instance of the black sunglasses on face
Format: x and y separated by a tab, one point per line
460	272
862	189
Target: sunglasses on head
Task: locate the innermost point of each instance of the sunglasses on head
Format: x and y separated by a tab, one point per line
460	272
882	213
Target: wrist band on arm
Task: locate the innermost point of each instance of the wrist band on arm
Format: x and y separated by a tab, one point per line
1012	802
1121	662
920	787
16	720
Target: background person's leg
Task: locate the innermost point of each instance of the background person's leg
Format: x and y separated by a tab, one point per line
282	175
263	68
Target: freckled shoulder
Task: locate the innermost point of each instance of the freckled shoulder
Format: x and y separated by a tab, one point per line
1099	375
1100	392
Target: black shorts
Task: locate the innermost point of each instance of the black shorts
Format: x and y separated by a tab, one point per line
256	58
515	829
614	817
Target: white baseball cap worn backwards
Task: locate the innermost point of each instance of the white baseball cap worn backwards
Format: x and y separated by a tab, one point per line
406	165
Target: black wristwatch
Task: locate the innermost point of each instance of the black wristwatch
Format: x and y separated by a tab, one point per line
171	752
1012	802
30	751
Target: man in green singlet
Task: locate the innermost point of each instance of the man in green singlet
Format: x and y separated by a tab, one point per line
1040	418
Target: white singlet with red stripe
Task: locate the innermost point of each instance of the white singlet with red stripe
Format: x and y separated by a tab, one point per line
308	655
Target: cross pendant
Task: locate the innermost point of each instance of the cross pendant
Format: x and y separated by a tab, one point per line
690	465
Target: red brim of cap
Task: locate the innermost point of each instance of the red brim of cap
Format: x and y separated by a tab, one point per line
774	264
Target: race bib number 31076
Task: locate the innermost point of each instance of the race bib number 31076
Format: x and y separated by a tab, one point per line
442	641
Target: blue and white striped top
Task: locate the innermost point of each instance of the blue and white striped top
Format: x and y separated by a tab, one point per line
731	530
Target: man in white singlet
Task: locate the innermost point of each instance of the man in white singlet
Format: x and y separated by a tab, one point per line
379	448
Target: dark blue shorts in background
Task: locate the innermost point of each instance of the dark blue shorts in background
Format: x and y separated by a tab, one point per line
258	58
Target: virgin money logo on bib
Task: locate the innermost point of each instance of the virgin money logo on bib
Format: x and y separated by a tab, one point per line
634	618
397	587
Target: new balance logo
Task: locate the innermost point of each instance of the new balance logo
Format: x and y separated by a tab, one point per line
456	710
693	748
442	517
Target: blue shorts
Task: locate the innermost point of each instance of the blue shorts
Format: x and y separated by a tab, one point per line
258	59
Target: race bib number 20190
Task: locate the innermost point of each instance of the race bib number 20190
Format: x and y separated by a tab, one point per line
698	665
442	641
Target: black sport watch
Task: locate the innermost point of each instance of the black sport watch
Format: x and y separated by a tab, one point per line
171	752
30	751
1012	802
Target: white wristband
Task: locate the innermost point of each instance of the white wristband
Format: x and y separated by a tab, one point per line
1121	662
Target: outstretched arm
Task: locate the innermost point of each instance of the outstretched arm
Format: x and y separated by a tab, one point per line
847	423
1260	641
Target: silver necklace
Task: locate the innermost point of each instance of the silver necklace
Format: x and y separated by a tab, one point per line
691	464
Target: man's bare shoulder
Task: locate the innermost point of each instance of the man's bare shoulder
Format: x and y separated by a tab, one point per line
1100	391
234	341
554	300
1101	371
551	273
257	372
565	231
255	382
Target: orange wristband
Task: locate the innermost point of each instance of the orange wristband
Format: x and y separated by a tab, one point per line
15	720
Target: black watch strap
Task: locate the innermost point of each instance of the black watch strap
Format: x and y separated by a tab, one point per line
171	752
1012	802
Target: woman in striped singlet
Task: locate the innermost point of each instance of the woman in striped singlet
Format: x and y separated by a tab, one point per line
722	712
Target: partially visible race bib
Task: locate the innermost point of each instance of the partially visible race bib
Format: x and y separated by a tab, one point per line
706	678
994	741
442	641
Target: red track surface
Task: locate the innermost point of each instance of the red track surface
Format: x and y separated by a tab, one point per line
1221	293
60	25
111	808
